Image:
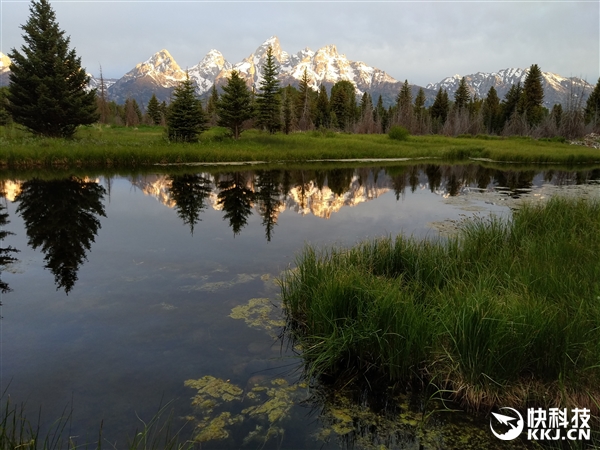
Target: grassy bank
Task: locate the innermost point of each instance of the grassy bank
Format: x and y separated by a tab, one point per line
121	147
505	314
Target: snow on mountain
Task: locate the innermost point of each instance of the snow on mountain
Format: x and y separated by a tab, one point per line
557	89
158	75
205	72
95	82
4	69
325	66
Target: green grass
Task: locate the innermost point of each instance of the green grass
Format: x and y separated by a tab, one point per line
505	314
134	147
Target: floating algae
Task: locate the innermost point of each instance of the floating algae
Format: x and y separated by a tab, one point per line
400	425
276	402
271	404
259	313
215	286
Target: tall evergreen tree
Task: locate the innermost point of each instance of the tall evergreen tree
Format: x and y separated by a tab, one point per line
404	104
47	90
153	110
211	106
322	109
103	110
186	119
289	115
5	117
303	110
511	102
268	101
533	95
462	96
441	104
592	105
492	111
235	105
381	115
420	103
343	103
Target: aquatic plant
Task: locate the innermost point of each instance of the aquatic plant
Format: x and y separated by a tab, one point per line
505	313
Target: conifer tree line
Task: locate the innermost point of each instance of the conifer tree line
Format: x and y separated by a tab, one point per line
48	95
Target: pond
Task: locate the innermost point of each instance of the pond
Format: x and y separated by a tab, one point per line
160	288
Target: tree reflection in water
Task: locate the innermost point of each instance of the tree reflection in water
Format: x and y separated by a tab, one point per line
5	252
189	192
236	199
61	217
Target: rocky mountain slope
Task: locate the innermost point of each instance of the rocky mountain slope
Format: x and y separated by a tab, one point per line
557	89
161	73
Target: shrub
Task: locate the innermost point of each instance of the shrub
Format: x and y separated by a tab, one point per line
399	133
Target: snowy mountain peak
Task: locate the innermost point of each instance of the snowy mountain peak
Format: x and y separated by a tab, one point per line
161	66
4	62
556	88
206	71
4	69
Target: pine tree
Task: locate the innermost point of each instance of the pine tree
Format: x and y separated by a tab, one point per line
420	103
5	117
153	110
343	103
289	115
557	112
47	90
404	104
439	109
592	105
533	95
103	110
322	119
211	106
492	111
303	110
511	102
461	96
268	101
235	105
185	119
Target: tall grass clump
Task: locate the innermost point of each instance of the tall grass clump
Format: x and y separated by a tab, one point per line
398	133
506	313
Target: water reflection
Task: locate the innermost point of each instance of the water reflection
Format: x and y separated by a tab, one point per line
189	192
61	217
268	197
236	198
5	252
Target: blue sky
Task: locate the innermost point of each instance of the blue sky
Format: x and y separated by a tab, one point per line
422	41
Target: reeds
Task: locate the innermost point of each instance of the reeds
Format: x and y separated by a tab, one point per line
17	431
506	313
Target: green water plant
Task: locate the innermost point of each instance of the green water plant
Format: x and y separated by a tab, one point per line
505	313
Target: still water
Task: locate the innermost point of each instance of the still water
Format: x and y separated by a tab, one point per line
134	291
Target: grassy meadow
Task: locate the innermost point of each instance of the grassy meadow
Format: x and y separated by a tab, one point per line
102	146
507	313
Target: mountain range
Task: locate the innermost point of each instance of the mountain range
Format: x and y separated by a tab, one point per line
160	74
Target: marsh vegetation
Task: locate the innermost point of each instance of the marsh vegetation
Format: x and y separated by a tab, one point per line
505	313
